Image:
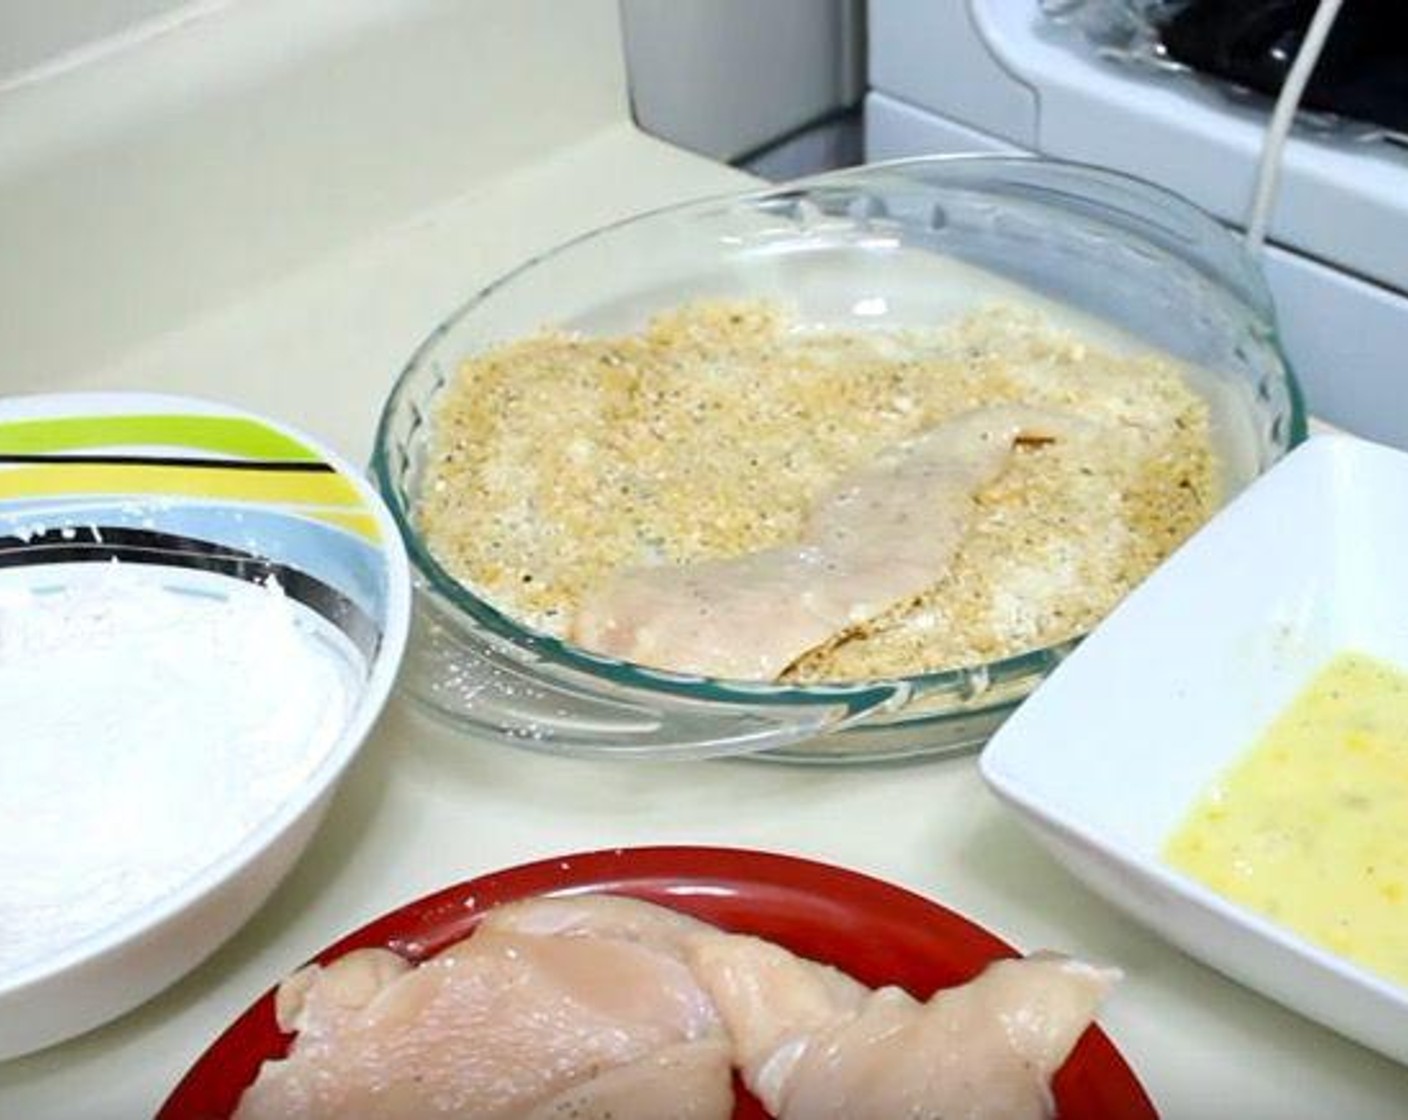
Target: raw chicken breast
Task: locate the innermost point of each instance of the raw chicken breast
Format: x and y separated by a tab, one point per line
884	533
599	915
594	1007
771	1001
812	1050
503	1024
692	1081
322	1000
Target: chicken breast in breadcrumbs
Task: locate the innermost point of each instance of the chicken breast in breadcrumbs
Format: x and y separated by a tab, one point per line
561	460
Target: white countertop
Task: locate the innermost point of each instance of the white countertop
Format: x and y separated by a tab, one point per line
423	808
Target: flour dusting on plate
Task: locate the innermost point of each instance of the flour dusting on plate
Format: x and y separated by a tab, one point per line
150	722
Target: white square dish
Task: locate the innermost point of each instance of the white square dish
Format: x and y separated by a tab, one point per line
1105	760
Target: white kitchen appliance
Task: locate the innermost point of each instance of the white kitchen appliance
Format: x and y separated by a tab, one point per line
1000	75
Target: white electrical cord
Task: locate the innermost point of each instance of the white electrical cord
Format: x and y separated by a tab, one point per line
1268	172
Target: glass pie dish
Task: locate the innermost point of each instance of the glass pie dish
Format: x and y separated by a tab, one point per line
910	243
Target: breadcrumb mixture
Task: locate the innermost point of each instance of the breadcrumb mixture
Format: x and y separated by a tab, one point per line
559	459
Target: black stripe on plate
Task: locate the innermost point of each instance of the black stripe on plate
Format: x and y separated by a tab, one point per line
106	543
55	458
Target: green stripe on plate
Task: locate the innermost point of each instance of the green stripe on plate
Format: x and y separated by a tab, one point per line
227	435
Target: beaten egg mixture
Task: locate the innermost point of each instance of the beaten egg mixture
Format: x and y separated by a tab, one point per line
1311	828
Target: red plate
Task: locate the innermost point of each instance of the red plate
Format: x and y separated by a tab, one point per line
878	933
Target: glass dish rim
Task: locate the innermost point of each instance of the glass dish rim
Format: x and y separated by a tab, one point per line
967	683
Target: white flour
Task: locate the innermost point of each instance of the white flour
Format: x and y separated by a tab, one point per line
143	733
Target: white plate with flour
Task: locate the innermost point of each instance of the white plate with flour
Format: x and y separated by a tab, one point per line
201	613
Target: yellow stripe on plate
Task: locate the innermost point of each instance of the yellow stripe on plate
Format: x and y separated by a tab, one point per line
324	488
363	524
